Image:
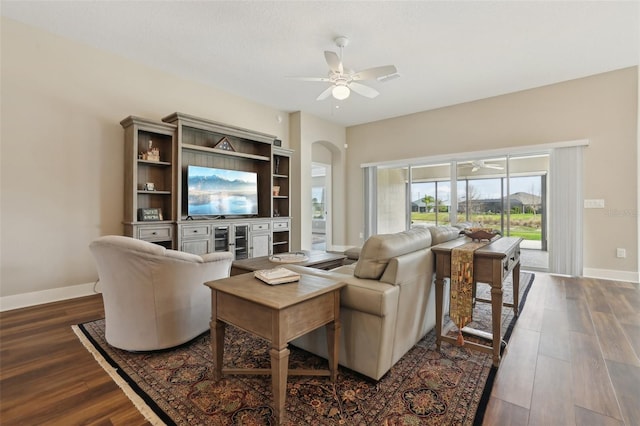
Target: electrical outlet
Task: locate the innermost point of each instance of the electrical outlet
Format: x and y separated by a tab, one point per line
621	253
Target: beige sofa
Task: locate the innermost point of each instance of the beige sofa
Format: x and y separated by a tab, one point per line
388	304
154	298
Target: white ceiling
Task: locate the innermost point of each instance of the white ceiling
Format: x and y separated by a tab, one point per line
446	52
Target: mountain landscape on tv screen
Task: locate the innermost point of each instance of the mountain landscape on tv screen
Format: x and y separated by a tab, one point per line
215	195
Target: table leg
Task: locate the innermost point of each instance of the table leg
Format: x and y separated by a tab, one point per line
216	332
496	319
516	288
217	346
279	370
439	298
333	344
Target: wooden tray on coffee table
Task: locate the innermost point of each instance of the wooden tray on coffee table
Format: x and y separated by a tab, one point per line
316	259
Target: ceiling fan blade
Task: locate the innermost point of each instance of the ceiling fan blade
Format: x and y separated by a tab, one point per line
363	90
310	78
335	64
384	71
325	94
493	166
388	77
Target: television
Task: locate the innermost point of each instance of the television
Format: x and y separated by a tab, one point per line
221	192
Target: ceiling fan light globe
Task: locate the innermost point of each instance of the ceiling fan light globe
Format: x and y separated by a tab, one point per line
341	92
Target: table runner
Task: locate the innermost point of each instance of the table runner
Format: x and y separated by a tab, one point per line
461	306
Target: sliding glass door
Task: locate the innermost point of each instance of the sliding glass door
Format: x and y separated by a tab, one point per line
528	183
508	194
504	193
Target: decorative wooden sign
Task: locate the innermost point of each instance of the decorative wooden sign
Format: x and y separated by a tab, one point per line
146	215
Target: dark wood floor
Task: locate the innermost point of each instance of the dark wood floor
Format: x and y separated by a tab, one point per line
572	360
48	377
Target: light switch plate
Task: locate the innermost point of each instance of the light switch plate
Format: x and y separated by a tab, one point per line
594	204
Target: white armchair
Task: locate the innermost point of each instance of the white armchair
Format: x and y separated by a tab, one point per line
154	298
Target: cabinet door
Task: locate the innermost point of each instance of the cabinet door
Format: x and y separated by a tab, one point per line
195	238
241	241
198	247
221	238
259	245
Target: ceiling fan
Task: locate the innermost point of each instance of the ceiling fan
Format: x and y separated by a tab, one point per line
343	80
480	164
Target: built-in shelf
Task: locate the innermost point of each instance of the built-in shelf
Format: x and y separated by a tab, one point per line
225	152
149	222
142	191
145	138
155	163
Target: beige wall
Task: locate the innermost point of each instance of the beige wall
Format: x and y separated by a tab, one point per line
601	108
62	149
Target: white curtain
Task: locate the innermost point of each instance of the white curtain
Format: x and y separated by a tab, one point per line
565	212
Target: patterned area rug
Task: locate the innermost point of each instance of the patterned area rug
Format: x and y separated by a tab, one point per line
425	387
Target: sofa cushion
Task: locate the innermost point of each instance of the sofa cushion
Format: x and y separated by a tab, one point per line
378	249
440	234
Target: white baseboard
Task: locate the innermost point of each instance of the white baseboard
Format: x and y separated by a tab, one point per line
610	274
24	300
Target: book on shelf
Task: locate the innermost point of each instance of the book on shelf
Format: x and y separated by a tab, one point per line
277	276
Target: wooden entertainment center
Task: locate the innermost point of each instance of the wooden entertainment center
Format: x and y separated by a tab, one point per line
157	156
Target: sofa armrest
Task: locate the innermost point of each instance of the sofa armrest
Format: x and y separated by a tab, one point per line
370	296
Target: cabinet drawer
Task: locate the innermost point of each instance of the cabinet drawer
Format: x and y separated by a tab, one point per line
154	233
510	261
196	231
280	226
260	227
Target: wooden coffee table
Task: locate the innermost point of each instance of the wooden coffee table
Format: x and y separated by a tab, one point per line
317	259
278	314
